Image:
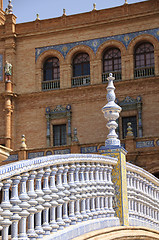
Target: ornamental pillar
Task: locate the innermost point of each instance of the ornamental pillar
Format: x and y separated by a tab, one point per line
113	148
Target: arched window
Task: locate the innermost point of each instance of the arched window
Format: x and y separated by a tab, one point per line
51	74
144	60
111	63
81	70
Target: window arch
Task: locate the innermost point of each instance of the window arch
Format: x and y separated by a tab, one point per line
81	70
144	60
112	63
51	74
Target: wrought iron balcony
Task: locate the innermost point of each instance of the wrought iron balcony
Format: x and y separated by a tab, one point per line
80	81
144	72
50	85
117	75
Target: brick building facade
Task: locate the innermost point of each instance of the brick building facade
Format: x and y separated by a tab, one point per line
58	81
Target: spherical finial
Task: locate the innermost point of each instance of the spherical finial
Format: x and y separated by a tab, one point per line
126	2
94	6
129	130
23	144
10	7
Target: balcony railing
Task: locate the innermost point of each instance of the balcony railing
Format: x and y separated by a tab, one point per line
144	72
117	75
80	81
50	85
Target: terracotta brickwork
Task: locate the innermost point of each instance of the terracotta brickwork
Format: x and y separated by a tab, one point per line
19	44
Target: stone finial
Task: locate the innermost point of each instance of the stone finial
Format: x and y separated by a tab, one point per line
10	7
37	17
129	130
6	11
126	2
64	12
111	112
23	144
75	138
94	6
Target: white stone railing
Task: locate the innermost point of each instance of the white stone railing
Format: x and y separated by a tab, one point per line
143	197
44	195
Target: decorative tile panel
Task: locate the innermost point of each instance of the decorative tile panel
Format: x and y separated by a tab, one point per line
62	151
95	43
13	157
35	154
92	149
143	144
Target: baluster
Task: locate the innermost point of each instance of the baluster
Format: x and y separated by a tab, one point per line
46	204
87	181
106	189
54	203
102	190
78	195
1	218
61	195
15	201
93	191
32	210
6	206
110	198
72	194
38	228
98	190
24	205
66	198
83	200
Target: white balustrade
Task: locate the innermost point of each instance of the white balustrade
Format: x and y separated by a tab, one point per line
143	197
59	191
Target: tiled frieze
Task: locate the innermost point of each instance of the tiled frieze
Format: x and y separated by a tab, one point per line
95	43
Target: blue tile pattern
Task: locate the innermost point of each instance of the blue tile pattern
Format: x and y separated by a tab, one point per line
144	144
95	43
92	149
35	154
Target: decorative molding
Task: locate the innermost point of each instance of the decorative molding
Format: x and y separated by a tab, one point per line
133	104
57	113
95	43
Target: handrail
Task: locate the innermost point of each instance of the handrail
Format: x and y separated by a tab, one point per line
43	195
